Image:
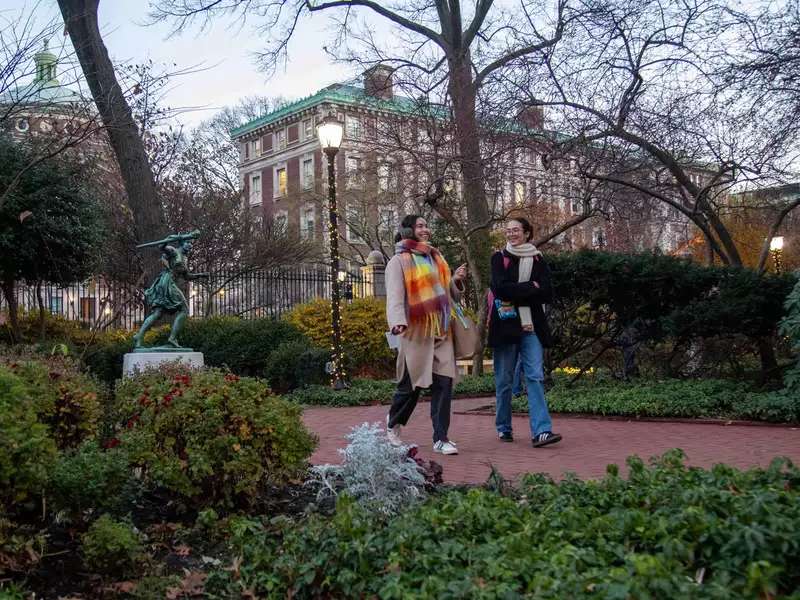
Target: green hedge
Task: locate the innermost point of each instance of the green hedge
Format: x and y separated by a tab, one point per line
661	299
696	398
689	398
239	345
665	532
364	392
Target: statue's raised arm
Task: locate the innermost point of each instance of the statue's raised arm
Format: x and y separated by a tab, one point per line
172	238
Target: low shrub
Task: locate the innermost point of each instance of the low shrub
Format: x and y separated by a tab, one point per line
363	333
111	546
239	345
27	450
363	392
211	437
66	400
695	398
790	327
91	479
666	531
295	364
380	476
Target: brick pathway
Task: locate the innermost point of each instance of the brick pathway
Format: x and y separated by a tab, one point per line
588	445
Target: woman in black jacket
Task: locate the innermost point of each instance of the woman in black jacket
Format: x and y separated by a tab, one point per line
518	328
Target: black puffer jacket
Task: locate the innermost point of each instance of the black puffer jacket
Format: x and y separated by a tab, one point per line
506	287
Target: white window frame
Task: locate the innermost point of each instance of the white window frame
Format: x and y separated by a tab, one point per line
280	139
278	216
255	147
386	229
306	232
354	179
353	128
308	182
276	188
308	128
519	192
351	213
255	198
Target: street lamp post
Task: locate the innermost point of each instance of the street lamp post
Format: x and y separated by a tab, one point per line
330	132
776	249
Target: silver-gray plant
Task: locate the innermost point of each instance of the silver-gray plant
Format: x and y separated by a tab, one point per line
377	474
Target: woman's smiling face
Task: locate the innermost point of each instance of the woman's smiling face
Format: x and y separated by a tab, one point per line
515	234
421	231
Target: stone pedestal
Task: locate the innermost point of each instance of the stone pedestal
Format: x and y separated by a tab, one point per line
141	361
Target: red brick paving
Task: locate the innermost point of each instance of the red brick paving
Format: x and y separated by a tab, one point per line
588	445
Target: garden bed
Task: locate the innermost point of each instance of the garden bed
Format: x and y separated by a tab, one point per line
706	400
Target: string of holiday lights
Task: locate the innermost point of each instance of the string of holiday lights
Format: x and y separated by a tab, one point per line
330	132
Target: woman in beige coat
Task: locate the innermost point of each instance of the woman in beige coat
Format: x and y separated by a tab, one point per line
420	292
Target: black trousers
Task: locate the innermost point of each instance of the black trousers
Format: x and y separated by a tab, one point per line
405	400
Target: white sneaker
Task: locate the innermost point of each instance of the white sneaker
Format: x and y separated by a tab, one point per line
445	448
393	433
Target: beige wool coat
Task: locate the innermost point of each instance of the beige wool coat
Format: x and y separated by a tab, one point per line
423	356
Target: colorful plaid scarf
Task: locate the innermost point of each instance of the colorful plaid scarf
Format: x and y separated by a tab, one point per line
427	279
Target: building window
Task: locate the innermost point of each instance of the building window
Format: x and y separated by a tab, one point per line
353	128
387	222
598	238
56	305
353	172
281	181
255	189
356	224
255	148
308	129
308	173
307	216
281	222
519	192
387	177
280	138
22	125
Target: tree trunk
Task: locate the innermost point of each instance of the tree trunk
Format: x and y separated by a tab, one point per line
80	17
13	314
769	364
463	94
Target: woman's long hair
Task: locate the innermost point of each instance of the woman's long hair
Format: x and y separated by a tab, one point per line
406	229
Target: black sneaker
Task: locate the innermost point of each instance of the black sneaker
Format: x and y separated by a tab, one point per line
505	436
545	438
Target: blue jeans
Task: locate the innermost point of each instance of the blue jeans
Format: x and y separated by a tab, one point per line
518	386
531	354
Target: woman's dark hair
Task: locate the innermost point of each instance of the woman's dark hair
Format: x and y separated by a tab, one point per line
527	228
406	229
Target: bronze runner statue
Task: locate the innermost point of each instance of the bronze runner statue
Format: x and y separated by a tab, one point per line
165	296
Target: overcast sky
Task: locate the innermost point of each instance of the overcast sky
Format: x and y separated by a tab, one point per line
225	50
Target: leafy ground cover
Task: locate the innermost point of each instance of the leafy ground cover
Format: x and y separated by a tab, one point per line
684	398
667	531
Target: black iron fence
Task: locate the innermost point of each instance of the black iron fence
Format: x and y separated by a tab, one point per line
101	303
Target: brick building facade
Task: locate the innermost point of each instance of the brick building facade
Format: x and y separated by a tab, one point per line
393	148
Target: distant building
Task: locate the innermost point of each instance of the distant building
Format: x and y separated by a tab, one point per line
386	162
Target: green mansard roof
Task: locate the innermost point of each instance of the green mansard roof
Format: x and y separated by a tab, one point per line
340	94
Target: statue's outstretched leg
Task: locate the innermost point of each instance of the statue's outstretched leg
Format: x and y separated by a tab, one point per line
148	322
177	324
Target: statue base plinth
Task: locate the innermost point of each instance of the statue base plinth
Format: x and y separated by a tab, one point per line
136	362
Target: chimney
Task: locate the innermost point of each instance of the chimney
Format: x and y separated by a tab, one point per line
531	115
378	82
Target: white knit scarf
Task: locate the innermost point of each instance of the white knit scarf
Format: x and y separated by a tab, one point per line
526	252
